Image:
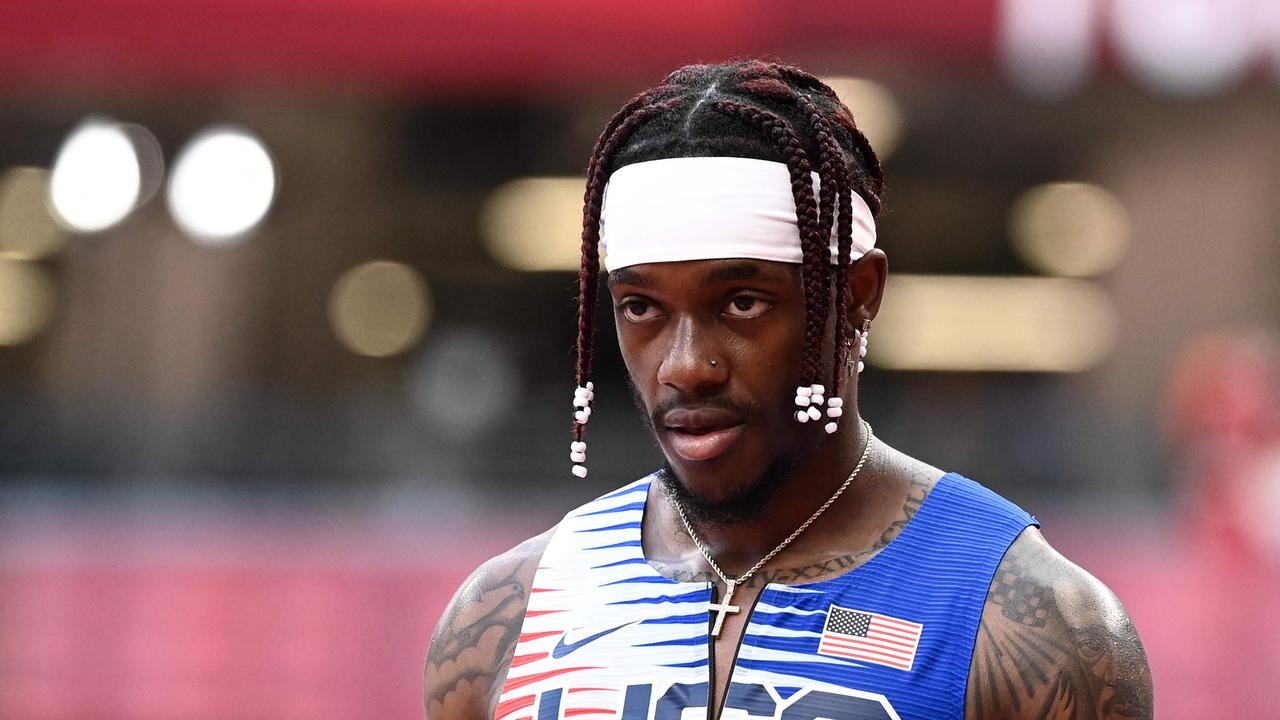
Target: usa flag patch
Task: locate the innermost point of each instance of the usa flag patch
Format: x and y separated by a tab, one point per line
870	637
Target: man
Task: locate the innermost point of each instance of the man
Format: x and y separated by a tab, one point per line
785	563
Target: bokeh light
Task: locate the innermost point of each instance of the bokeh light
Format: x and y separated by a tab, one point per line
380	308
535	223
1185	47
1009	324
1048	48
222	185
96	177
27	229
1070	229
27	301
874	109
466	381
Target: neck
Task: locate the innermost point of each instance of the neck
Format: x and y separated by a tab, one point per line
738	546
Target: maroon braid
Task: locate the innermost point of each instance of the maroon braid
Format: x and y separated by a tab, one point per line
616	132
813	275
836	172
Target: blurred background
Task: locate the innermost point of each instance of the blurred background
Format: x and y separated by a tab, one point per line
286	298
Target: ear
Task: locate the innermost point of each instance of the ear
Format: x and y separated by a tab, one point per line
865	286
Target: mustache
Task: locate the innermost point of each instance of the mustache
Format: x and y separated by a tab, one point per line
741	409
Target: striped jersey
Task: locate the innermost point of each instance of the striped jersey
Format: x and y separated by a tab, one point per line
606	636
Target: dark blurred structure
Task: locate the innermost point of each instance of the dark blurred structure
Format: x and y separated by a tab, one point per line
243	466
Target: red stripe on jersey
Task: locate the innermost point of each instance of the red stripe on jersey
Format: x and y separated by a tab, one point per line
506	707
519	682
519	660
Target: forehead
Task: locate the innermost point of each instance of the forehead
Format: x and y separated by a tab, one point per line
695	273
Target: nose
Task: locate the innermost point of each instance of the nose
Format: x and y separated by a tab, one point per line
692	364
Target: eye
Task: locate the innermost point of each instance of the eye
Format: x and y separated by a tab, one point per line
638	310
747	307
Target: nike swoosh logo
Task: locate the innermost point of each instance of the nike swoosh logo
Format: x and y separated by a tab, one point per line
563	648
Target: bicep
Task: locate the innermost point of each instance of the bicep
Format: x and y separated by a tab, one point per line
474	641
1055	644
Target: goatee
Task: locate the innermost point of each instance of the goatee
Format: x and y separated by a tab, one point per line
750	502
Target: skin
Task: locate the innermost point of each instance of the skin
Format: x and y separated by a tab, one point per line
1053	643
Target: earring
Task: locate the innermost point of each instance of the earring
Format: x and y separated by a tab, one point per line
862	344
582	397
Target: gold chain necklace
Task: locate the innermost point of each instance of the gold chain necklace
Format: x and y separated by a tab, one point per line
722	608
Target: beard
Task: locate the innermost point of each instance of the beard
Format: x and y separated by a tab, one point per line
749	502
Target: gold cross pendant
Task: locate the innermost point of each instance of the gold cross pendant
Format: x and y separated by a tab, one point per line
722	608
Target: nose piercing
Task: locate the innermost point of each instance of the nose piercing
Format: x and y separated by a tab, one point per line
714	363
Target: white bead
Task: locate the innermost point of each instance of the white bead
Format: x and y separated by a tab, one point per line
861	366
817	399
591	395
814	413
581	401
818	389
591	385
834	412
578	457
862	351
580	470
802	401
578	446
581	416
831	427
804	390
835	402
802	416
580	391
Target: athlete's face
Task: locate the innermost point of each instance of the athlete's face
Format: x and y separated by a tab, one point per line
713	348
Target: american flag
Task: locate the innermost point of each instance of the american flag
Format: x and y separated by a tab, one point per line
870	637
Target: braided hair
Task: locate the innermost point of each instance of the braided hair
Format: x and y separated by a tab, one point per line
750	109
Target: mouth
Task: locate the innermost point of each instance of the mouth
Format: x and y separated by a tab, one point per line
703	434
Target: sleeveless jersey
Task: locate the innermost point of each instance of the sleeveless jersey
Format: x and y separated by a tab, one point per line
606	636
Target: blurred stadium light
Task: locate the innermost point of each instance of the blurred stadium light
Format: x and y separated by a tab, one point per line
222	185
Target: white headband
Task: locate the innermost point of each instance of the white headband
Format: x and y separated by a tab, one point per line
703	208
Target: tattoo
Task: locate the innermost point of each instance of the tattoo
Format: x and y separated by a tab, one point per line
920	486
1032	661
807	573
1019	597
476	639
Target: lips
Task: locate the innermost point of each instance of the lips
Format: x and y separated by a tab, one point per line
701	434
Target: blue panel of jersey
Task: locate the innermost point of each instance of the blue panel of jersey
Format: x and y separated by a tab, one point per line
935	573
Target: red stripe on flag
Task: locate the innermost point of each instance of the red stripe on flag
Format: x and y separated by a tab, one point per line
588	711
534	590
900	654
538	613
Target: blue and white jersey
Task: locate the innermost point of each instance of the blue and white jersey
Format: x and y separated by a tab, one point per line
606	636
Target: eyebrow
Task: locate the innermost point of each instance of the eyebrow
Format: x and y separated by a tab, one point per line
629	276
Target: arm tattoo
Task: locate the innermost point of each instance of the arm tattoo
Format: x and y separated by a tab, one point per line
1032	660
474	643
1020	598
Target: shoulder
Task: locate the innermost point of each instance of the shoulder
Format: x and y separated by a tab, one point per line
1054	644
473	644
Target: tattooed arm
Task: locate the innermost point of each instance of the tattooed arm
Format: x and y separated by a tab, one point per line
473	644
1054	644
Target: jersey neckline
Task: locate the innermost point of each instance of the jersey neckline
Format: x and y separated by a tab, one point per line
890	550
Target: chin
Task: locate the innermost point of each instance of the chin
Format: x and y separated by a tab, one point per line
727	503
